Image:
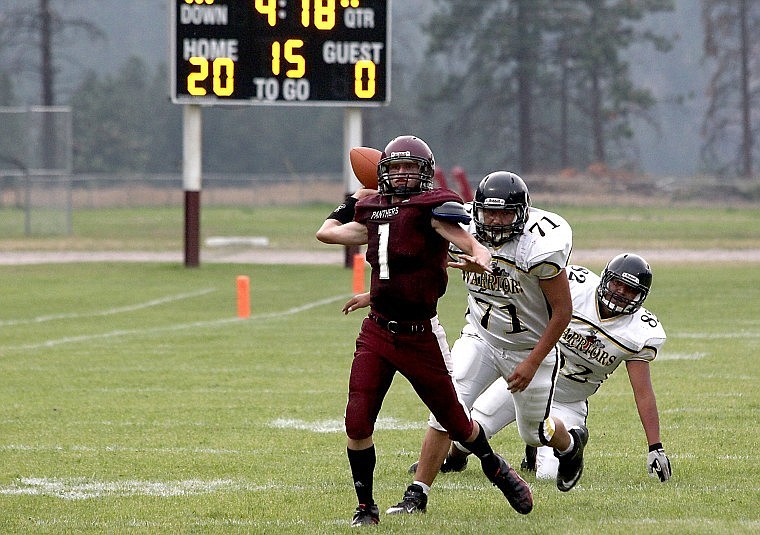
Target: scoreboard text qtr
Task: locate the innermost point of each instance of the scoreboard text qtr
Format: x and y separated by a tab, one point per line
291	52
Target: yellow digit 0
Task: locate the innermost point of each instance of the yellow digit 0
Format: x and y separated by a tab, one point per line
364	66
224	89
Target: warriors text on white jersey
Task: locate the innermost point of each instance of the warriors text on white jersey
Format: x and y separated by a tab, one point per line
507	307
592	347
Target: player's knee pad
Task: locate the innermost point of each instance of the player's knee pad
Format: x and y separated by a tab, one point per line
360	424
358	430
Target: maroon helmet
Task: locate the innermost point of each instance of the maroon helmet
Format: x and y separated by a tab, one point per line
411	150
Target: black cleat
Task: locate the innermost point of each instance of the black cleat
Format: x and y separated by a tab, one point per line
366	515
450	464
453	464
515	490
571	464
414	501
528	463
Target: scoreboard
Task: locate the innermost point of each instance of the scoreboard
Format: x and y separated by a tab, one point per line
280	52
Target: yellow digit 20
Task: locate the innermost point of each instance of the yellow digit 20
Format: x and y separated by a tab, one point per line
223	72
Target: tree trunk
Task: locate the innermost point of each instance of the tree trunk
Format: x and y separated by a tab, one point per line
564	151
744	50
525	68
596	119
47	76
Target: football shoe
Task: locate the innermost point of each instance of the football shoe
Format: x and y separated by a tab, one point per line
366	515
528	463
515	489
571	464
414	501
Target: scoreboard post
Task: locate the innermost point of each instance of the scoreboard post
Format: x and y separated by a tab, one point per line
274	52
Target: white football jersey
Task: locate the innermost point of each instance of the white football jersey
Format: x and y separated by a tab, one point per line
592	347
507	307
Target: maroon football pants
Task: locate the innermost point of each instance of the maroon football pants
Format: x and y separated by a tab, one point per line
422	359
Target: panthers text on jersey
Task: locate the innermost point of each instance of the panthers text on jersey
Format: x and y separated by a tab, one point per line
592	347
407	256
507	307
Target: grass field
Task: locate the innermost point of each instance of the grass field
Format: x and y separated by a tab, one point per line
161	228
133	400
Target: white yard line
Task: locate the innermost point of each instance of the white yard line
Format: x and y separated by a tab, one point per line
109	311
85	489
171	328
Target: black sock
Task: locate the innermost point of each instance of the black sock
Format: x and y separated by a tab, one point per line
362	469
482	450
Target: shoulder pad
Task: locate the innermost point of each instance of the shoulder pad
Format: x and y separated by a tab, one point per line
451	211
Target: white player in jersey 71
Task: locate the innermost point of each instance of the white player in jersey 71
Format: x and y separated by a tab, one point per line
515	316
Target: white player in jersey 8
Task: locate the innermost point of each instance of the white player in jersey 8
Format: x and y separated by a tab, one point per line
609	326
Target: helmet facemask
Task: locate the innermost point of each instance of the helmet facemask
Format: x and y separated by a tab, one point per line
632	271
496	234
617	302
412	179
405	182
500	190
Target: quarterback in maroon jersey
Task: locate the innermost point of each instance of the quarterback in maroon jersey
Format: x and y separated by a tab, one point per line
407	226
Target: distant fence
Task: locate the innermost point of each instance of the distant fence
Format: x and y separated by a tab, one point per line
35	166
134	190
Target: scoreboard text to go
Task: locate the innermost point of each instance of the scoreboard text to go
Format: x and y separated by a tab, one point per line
281	52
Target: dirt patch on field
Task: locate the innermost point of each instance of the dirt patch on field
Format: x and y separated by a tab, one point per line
337	256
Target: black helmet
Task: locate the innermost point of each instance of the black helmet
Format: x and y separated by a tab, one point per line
500	190
406	149
633	271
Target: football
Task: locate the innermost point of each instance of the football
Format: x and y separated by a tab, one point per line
364	164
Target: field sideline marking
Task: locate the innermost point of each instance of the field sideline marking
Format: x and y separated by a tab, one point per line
334	426
177	327
110	311
716	336
84	489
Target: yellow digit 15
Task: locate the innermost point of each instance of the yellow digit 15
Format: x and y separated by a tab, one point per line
297	60
222	86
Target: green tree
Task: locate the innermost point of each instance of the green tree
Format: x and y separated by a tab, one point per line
608	96
530	74
122	122
732	47
44	28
